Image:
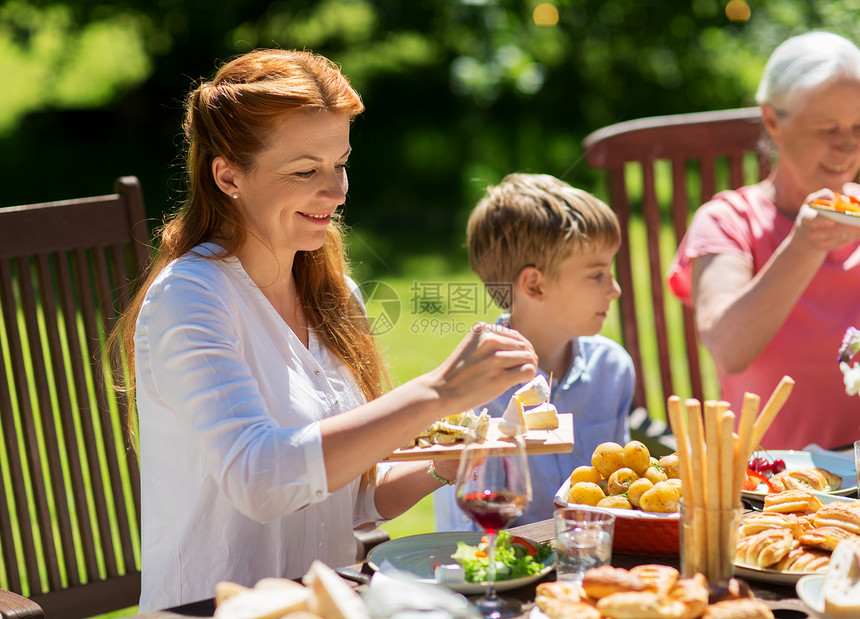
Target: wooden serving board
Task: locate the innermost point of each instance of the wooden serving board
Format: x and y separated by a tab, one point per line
559	440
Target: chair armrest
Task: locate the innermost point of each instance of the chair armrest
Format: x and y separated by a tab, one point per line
366	538
14	606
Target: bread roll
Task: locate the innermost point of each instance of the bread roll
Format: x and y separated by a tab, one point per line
765	548
738	609
599	582
334	598
843	514
792	501
265	602
841	588
826	538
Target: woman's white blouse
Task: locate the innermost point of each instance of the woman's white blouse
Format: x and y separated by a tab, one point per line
233	481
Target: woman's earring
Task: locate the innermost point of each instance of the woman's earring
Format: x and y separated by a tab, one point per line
235	195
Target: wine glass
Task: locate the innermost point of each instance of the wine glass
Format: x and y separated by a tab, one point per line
494	488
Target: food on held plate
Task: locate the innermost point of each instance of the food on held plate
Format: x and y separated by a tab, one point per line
840	202
796	532
645	591
516	557
627	478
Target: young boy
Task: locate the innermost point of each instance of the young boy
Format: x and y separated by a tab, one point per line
544	250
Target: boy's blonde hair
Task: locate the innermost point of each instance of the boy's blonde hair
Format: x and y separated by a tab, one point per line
535	220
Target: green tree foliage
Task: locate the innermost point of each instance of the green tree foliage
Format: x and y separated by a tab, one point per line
458	92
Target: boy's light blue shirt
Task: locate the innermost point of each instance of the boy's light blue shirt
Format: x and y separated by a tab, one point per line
598	390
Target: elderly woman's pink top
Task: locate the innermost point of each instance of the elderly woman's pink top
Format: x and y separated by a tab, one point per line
746	223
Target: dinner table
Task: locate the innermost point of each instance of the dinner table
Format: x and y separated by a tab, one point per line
781	598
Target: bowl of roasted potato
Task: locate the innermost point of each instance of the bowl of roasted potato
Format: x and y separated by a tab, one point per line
642	491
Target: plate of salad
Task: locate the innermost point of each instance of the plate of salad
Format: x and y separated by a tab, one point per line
519	561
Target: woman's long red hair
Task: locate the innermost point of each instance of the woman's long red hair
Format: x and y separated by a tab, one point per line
227	117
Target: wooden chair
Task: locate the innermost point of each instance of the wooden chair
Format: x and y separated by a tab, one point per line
656	168
69	483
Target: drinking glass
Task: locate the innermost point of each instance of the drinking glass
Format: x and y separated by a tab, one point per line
857	465
583	539
493	489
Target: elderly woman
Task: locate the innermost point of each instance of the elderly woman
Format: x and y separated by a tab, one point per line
773	282
259	386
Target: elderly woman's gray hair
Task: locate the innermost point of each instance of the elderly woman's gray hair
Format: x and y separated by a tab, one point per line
803	63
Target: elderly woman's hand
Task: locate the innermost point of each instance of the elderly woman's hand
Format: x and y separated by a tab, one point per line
817	231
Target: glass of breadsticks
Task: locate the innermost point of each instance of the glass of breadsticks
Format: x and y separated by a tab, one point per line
713	451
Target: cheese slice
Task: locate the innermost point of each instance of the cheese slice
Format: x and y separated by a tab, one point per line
513	422
534	392
542	417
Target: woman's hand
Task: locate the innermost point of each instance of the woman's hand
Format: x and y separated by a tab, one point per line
818	232
489	360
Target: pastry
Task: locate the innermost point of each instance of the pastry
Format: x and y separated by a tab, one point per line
845	515
599	582
765	548
634	605
564	600
801	559
660	578
817	479
738	609
760	521
792	501
826	538
841	588
692	593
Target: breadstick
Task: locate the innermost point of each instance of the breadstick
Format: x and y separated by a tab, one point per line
728	498
774	404
697	494
712	445
679	429
749	410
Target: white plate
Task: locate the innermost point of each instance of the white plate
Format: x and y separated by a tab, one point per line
849	219
810	589
418	554
803	460
560	500
748	572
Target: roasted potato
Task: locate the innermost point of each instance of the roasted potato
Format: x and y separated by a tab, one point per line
617	501
585	473
585	493
674	481
620	480
636	456
670	465
637	489
607	458
662	498
654	474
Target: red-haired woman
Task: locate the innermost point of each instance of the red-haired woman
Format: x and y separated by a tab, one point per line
260	391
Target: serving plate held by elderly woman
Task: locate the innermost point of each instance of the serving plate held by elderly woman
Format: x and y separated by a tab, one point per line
844	217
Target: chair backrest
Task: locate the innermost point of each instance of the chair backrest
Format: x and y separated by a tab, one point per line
656	168
69	482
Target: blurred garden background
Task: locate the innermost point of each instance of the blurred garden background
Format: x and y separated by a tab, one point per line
458	94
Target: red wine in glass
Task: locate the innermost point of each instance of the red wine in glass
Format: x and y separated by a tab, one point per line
493	511
493	489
